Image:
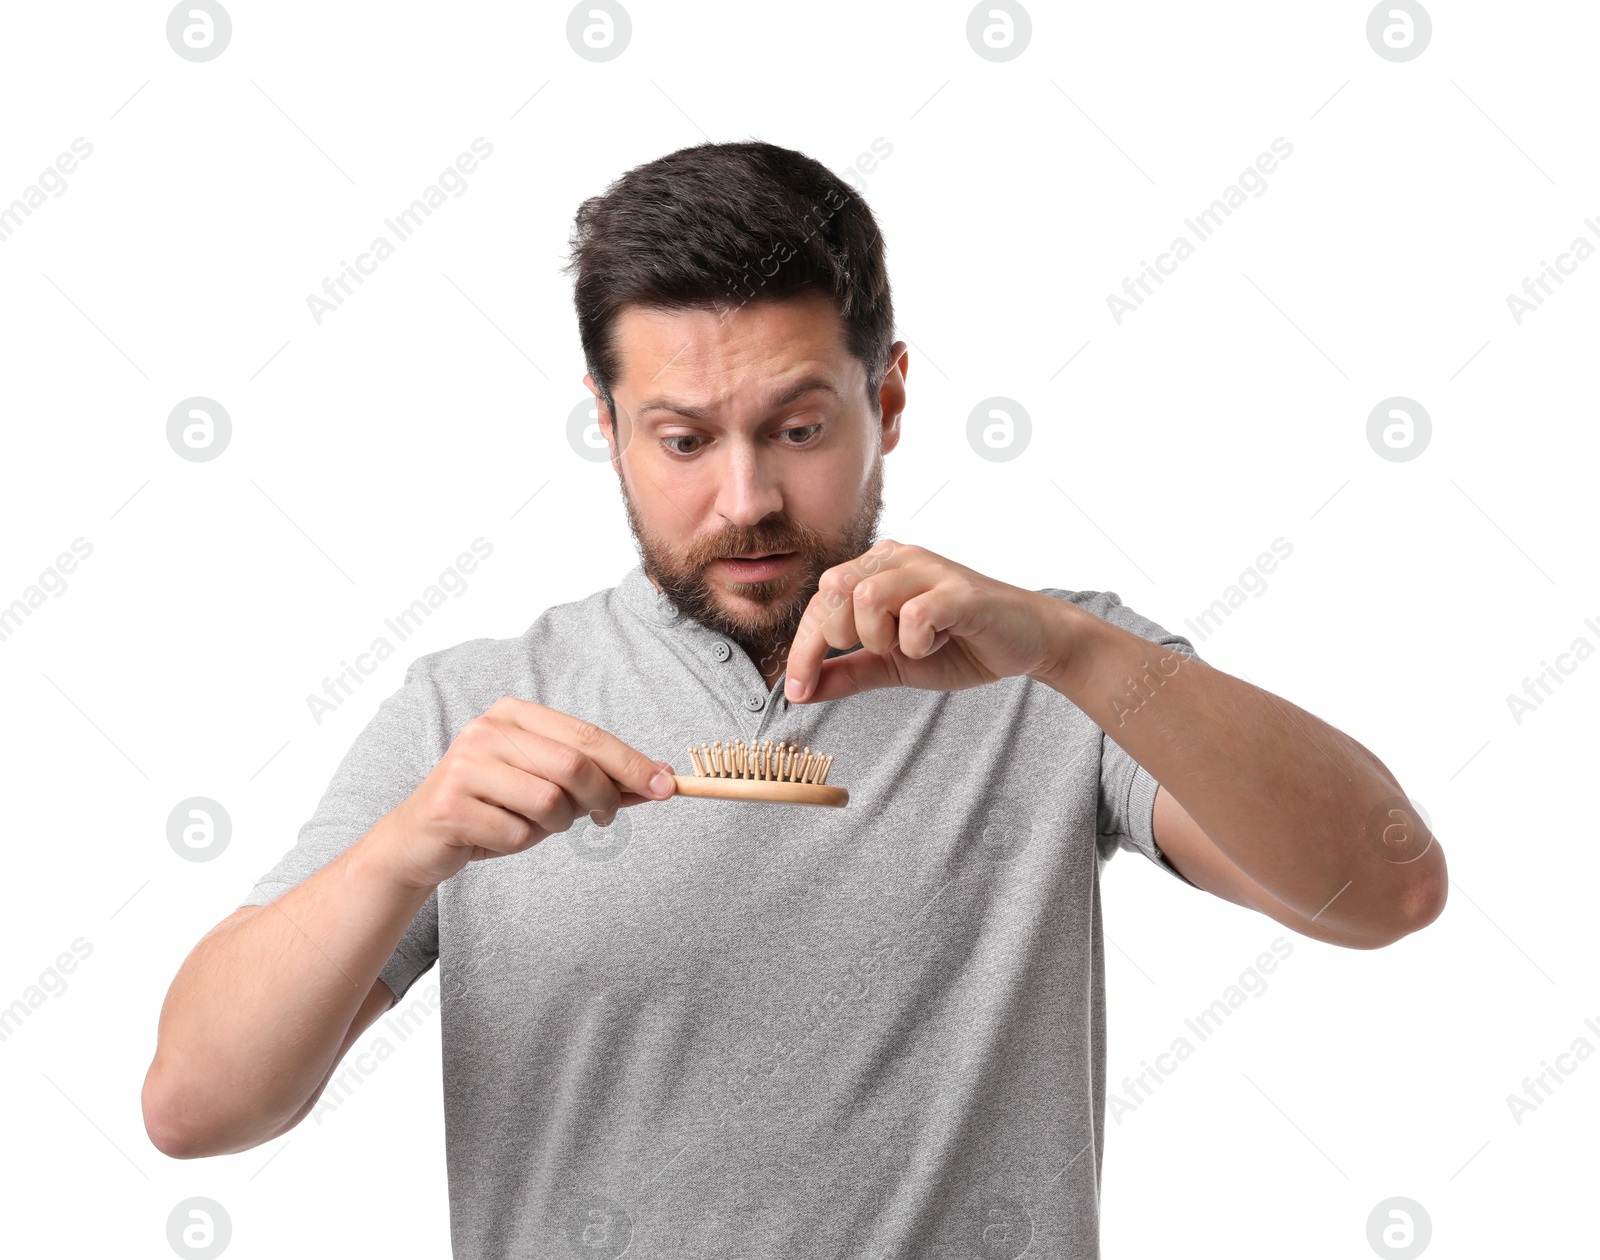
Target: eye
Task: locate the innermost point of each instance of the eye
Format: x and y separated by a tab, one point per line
802	428
798	435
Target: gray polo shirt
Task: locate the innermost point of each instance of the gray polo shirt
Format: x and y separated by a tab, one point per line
724	1028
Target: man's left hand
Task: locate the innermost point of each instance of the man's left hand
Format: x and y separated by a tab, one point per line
922	621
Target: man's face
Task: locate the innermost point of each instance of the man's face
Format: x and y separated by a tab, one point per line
721	454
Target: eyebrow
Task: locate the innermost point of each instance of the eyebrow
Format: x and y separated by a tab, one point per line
798	390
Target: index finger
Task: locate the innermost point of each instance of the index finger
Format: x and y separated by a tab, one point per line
810	643
829	619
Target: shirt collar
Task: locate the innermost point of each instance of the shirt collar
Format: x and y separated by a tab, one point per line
639	593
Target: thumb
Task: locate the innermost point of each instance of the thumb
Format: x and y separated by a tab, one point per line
854	672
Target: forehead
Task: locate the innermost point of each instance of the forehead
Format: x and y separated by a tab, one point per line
715	352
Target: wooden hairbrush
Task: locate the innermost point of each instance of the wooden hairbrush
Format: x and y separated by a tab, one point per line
781	773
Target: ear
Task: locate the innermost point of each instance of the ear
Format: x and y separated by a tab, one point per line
599	405
892	395
606	420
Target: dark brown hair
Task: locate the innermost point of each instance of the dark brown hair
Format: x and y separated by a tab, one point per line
719	225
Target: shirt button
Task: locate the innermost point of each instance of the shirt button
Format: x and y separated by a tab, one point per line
755	703
721	650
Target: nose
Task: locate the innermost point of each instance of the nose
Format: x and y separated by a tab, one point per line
749	493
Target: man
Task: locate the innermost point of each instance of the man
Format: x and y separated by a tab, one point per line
702	1027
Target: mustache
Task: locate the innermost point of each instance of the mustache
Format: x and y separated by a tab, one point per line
758	541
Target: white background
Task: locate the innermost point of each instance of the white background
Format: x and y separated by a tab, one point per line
1228	411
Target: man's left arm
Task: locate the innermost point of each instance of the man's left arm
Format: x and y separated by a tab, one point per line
1260	802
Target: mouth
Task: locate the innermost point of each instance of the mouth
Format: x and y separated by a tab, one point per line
758	567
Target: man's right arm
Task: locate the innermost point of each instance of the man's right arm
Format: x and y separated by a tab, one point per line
269	1001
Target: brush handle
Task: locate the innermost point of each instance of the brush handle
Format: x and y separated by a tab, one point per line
775	790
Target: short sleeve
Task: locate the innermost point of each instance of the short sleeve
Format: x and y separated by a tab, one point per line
388	759
1127	789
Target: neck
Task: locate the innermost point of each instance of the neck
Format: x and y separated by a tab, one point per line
770	659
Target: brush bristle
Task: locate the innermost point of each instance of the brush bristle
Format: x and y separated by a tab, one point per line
778	763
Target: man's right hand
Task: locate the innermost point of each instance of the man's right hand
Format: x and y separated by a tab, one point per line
514	775
259	1015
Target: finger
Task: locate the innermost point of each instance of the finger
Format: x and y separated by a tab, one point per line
878	602
854	672
537	754
827	622
829	619
497	830
630	768
544	804
925	622
606	818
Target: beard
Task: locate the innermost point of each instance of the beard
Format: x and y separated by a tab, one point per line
767	631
